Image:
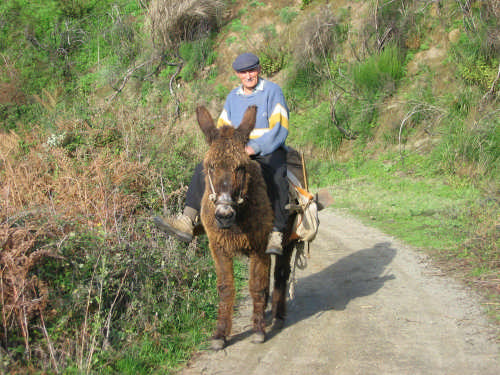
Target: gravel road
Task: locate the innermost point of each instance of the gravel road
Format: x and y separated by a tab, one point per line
365	304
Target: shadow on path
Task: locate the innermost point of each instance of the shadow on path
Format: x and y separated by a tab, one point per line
356	275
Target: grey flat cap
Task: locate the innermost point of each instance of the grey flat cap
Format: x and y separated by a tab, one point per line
246	61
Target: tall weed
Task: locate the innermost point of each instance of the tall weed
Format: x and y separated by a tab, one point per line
471	151
196	56
378	72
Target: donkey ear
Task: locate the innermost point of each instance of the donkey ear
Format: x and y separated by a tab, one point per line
248	122
206	124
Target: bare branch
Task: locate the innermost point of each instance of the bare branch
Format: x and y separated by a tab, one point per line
346	132
49	343
108	320
172	80
381	42
418	108
468	18
125	79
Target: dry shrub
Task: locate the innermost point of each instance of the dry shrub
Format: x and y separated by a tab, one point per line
45	191
9	143
10	85
22	294
316	38
11	94
101	190
493	7
175	21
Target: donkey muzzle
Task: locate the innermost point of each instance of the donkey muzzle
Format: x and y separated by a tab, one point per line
225	213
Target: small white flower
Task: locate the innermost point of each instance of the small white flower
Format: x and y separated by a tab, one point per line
55	140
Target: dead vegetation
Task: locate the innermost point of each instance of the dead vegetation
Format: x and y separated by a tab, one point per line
174	21
46	190
65	186
316	37
22	294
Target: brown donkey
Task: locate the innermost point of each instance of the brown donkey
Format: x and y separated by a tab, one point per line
237	216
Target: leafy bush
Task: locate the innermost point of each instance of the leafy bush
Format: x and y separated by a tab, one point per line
272	58
76	8
476	65
305	3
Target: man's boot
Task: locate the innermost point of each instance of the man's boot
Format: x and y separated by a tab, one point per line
181	227
274	244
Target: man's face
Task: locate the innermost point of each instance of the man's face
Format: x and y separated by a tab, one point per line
249	78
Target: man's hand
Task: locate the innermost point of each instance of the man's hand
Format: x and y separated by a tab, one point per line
249	150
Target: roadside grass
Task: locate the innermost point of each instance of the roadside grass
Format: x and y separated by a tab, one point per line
179	329
445	216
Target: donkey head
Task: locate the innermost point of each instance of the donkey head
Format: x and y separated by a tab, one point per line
226	164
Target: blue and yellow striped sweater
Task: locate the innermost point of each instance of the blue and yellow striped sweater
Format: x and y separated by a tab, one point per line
271	127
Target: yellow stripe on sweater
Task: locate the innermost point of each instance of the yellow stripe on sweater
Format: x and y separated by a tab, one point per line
279	115
223	119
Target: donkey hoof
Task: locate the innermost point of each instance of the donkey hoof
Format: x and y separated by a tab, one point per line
217	344
278	324
258	338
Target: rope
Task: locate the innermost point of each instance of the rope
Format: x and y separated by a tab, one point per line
300	262
213	195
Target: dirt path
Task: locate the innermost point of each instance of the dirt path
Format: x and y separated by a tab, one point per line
366	304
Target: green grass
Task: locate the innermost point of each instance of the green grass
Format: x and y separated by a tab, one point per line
167	305
379	71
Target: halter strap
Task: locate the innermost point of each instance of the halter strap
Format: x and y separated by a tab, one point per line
213	195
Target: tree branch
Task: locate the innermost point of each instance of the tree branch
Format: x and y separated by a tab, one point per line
125	79
172	80
346	132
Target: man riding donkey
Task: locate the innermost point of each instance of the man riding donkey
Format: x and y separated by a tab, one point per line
266	146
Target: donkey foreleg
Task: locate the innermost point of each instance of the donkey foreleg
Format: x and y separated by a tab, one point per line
259	290
225	288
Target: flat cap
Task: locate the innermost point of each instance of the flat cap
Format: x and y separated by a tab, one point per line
246	61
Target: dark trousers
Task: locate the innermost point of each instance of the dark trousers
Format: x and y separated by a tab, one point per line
274	171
